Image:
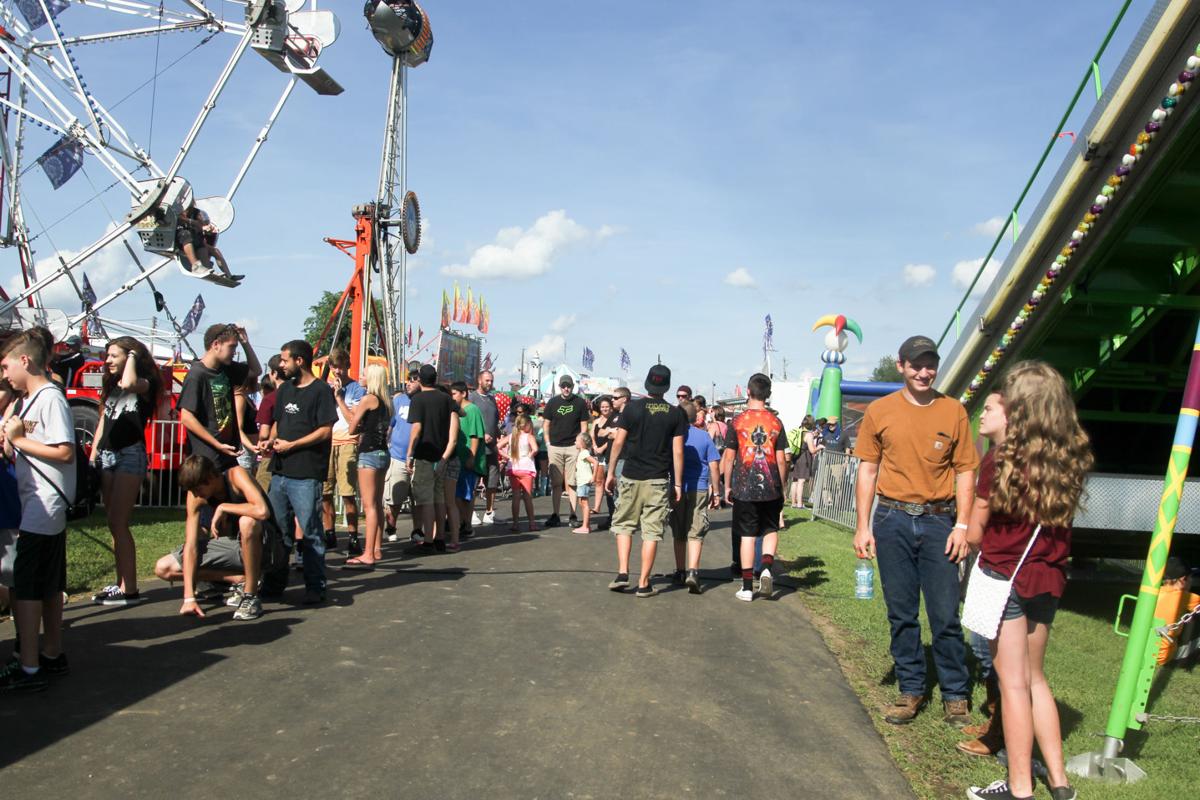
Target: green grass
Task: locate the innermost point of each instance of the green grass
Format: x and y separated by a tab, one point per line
90	565
1083	661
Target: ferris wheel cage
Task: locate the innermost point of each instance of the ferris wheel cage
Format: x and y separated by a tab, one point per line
45	68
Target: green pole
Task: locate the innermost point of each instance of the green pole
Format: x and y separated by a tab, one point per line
1156	560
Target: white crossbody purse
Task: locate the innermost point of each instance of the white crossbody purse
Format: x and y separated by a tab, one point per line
987	597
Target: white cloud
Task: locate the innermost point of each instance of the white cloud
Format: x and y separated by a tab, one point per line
549	348
741	278
106	270
964	272
989	227
919	274
521	254
564	322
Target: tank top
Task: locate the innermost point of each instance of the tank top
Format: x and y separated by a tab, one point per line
524	462
374	427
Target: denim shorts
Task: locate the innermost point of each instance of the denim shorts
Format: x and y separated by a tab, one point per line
1039	608
130	460
374	459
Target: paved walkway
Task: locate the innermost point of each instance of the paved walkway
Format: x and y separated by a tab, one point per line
507	670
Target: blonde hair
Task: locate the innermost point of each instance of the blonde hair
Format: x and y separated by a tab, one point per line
520	425
376	382
1046	455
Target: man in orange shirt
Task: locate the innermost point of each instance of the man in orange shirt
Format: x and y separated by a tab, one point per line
918	462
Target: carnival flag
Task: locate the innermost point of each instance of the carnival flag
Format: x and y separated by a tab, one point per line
193	316
589	359
62	161
485	322
445	312
625	362
477	317
408	337
420	335
32	11
458	305
469	311
769	334
88	295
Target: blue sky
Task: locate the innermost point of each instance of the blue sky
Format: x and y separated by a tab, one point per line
657	177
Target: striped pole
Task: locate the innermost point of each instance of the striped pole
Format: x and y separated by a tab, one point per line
1119	718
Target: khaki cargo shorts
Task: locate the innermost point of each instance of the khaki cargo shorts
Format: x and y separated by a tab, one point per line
562	465
397	486
689	518
642	505
343	471
427	484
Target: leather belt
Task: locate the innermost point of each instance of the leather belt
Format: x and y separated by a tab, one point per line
919	509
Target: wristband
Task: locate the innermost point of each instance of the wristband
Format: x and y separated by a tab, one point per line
961	525
189	599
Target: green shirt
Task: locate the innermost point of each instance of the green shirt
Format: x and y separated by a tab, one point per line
470	424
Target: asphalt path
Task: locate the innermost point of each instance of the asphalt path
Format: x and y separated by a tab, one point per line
506	670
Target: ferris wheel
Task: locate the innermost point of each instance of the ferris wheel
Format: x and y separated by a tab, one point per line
48	106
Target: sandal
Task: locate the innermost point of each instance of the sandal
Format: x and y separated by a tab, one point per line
358	564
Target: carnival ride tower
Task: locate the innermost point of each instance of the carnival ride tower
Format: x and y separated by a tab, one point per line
388	229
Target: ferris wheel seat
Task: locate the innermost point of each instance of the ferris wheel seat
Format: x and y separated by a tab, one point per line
292	40
155	213
208	274
219	211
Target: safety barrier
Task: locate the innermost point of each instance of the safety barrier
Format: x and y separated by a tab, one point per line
161	489
833	488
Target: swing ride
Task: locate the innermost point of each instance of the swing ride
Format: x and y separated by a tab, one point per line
44	94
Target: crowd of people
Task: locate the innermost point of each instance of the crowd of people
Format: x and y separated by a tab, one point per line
264	480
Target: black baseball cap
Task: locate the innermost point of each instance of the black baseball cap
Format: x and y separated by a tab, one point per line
658	379
566	380
428	374
916	346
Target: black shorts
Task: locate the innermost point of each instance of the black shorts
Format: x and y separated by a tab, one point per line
493	470
756	518
40	568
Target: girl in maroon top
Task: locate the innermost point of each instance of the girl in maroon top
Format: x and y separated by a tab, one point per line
1033	475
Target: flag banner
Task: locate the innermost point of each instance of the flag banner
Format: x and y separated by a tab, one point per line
421	332
589	359
477	317
625	362
408	340
458	305
31	10
193	316
769	334
487	362
445	312
89	296
62	161
96	328
485	323
469	315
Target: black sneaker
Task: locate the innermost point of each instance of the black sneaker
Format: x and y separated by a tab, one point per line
354	546
54	666
692	581
313	597
735	572
552	521
416	537
997	790
330	540
15	679
574	520
113	596
439	545
1062	792
619	583
677	577
646	591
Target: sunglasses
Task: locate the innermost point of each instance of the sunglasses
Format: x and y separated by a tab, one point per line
683	396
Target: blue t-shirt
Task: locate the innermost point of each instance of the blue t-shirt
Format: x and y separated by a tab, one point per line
698	451
401	427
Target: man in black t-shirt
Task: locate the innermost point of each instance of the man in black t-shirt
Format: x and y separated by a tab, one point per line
650	437
301	436
431	443
563	419
206	399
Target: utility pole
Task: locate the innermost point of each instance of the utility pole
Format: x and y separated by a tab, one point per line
522	366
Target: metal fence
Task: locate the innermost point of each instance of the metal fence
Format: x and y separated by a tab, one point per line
833	488
161	489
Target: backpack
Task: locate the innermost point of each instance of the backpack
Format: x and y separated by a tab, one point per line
87	482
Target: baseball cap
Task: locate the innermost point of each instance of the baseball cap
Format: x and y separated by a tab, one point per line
428	374
916	346
73	340
566	380
658	379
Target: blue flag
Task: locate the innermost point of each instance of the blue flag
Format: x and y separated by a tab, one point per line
193	316
31	10
89	295
625	362
62	161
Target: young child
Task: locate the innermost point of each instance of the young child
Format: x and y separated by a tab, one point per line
522	449
585	470
41	437
1031	422
1174	600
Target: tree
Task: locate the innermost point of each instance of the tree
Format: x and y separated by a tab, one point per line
886	372
320	313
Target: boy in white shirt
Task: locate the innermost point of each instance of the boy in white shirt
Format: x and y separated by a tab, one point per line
40	435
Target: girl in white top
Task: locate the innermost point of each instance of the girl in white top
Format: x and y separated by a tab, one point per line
522	447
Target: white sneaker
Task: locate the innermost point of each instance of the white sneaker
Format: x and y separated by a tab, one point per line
393	537
475	520
489	518
744	594
766	584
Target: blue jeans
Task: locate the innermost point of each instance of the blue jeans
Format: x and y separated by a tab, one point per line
300	498
913	562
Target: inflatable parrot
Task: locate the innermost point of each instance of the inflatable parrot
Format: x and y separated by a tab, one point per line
829	402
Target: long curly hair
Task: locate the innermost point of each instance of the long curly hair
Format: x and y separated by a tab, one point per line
146	369
1041	466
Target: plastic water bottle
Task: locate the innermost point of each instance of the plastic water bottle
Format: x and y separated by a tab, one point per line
864	580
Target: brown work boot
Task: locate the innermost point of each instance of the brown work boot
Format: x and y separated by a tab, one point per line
978	747
905	709
977	730
958	714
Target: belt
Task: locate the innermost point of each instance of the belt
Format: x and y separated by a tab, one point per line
918	509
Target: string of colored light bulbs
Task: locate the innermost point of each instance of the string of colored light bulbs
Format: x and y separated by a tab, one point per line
1160	114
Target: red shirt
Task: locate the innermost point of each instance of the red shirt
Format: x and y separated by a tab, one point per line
266	410
1005	539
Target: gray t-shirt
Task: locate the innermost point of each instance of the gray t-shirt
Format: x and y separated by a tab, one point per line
47	419
486	403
